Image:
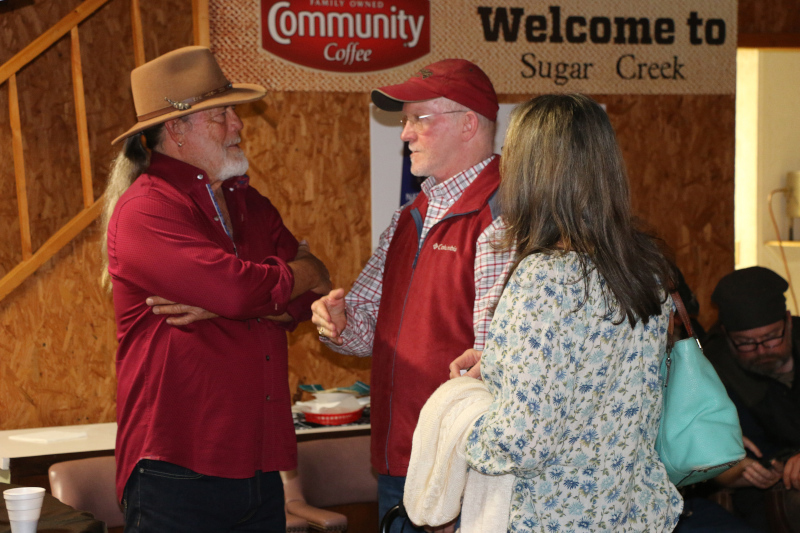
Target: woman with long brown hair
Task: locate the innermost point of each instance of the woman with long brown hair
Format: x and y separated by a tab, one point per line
573	354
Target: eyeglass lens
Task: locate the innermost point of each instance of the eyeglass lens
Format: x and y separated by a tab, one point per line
772	342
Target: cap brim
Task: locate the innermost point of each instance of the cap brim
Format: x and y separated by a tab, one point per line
240	93
393	97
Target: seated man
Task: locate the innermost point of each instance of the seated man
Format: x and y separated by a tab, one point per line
754	348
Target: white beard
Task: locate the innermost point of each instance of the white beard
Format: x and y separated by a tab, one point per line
234	167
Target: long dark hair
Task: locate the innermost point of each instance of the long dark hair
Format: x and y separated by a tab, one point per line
564	188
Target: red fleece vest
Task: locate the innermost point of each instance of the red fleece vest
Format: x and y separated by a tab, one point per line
425	319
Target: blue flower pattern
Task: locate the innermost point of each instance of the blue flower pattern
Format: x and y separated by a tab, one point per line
577	405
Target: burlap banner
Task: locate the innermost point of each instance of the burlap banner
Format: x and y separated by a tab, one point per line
590	46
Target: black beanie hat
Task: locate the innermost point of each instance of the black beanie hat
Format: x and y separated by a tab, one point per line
750	298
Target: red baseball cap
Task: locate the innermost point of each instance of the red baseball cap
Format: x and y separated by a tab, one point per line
456	79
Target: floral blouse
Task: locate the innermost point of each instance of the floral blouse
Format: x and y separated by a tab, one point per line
577	406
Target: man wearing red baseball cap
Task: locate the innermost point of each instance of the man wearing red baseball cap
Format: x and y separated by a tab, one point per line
427	293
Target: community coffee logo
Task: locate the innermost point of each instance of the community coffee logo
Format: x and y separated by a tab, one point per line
346	35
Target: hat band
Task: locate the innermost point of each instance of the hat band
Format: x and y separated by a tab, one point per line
185	104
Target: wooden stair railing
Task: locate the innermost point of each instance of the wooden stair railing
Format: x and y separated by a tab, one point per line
91	207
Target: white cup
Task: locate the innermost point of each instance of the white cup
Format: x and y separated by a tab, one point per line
24	506
24	526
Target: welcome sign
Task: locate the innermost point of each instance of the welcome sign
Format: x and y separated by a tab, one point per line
590	46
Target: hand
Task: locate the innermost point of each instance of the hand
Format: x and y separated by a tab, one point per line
757	476
310	274
470	361
162	306
328	314
791	473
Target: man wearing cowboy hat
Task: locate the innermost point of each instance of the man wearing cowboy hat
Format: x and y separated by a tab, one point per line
203	406
428	292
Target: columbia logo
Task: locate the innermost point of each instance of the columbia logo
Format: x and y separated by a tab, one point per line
444	247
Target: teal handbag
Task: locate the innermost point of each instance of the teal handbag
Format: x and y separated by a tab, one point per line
699	436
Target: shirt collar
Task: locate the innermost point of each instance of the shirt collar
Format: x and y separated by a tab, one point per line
453	188
184	176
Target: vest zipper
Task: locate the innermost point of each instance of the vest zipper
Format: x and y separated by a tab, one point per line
418	222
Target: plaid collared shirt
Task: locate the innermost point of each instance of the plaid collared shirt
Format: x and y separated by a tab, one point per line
491	267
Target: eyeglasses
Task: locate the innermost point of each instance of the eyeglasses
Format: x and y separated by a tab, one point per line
416	120
752	346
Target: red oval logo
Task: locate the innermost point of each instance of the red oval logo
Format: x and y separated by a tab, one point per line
346	35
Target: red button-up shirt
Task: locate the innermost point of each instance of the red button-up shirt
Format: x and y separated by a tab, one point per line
212	396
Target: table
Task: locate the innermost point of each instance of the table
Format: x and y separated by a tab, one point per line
56	517
26	463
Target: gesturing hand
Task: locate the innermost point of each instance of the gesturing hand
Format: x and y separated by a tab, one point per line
329	315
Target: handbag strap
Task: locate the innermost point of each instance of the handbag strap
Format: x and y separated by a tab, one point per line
687	323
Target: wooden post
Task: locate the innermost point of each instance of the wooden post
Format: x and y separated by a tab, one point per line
138	39
19	168
200	22
80	118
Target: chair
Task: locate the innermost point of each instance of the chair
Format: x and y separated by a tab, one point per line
89	485
336	473
295	524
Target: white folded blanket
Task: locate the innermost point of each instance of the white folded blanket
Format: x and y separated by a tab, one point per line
437	473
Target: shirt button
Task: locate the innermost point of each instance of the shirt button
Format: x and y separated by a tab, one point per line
199	176
267	397
216	218
267	358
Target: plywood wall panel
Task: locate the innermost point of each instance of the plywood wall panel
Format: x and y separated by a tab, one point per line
167	25
57	342
17	30
309	153
107	39
20	27
680	152
770	16
57	332
47	114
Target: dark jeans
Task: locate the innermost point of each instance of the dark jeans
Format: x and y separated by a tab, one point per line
161	497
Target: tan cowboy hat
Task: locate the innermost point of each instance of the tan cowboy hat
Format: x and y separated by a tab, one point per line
182	82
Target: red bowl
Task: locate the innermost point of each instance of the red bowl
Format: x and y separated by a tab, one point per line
338	419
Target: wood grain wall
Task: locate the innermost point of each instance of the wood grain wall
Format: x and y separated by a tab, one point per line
309	153
57	333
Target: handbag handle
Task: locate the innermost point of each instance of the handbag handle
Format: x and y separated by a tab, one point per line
687	323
